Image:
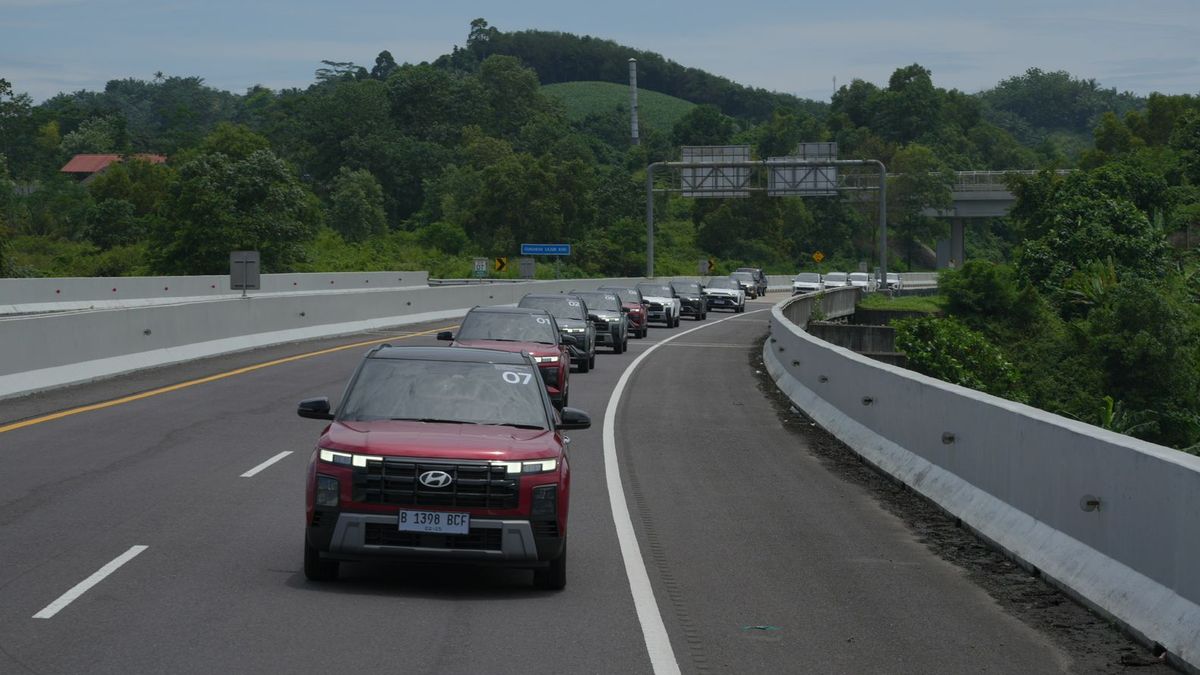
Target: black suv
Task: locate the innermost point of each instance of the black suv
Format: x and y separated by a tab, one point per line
691	299
571	313
760	279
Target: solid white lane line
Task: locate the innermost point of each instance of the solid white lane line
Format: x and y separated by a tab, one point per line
83	586
654	632
251	473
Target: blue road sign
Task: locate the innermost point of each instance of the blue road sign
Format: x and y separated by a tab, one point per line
545	249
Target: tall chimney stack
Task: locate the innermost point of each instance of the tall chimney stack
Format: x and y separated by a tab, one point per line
633	106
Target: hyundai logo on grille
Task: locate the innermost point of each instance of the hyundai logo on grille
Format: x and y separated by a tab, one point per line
435	479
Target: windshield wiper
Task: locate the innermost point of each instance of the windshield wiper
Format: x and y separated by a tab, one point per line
513	424
432	420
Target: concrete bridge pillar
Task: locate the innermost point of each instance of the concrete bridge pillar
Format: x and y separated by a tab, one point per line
958	249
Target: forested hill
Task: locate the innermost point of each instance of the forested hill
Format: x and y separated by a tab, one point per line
563	57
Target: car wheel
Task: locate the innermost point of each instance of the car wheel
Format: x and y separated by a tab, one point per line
618	344
584	364
592	360
554	577
316	569
741	309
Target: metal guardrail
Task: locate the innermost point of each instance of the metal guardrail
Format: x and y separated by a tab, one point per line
964	181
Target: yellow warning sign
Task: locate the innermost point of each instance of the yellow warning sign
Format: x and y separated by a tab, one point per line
501	264
818	256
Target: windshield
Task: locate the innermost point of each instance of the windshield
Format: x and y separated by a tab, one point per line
446	391
627	294
743	276
656	290
808	276
606	302
724	282
858	276
508	326
564	307
835	276
686	287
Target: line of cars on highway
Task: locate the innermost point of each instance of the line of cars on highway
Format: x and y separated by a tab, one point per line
456	454
811	282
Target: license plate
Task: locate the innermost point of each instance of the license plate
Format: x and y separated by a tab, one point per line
438	522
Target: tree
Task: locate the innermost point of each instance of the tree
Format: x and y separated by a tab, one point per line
96	135
922	181
950	351
221	205
909	106
235	141
356	209
702	125
384	65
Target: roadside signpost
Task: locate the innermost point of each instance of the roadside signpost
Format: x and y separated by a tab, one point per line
480	270
557	250
818	257
244	270
545	249
501	264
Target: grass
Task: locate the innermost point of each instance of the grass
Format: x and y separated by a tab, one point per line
655	110
907	303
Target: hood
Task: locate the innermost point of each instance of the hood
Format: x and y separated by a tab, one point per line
659	299
632	306
440	441
608	315
534	348
722	291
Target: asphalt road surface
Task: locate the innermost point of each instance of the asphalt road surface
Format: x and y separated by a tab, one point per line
181	514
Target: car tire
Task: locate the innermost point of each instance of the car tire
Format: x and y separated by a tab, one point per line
316	569
554	577
592	360
618	344
584	366
739	310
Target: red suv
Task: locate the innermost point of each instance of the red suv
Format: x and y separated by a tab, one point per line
446	455
634	307
521	329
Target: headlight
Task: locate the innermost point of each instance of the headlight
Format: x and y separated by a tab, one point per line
343	458
532	466
328	491
545	359
574	330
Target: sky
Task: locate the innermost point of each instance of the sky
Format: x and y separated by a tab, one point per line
797	46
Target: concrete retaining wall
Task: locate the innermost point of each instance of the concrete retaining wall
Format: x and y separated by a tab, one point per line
67	293
1020	477
44	351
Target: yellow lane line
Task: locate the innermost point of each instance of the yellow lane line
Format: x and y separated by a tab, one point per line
204	380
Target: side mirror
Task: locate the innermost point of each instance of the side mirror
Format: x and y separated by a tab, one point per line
624	309
593	317
570	340
574	418
315	409
445	335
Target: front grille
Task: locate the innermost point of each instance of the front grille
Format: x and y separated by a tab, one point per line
393	480
601	325
380	534
656	306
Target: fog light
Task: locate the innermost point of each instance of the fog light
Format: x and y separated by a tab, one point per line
328	491
545	501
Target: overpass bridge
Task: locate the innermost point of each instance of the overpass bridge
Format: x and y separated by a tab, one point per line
973	194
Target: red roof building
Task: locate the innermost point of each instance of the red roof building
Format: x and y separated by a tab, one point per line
85	166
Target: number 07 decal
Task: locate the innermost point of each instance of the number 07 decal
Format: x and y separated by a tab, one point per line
513	377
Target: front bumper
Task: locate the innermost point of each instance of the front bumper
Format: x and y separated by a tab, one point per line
693	307
361	536
722	302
